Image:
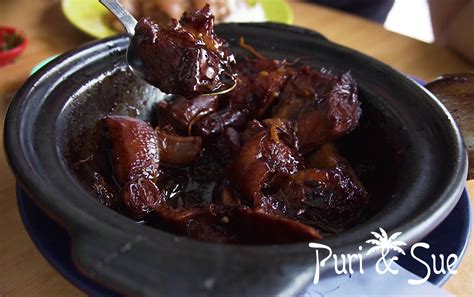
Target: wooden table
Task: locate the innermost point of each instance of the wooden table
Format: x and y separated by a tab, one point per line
23	271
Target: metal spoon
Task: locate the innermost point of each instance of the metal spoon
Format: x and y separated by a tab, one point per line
135	63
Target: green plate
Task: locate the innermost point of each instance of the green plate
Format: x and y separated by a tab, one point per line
91	17
42	63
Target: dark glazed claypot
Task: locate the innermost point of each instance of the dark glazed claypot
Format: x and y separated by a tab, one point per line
407	149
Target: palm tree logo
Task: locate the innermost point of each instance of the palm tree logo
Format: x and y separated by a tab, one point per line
385	243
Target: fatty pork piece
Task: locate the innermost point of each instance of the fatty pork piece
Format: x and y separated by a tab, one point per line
184	112
325	106
259	82
135	160
329	197
219	223
267	152
186	57
178	150
215	123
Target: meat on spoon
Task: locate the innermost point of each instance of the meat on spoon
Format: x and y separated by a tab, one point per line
186	57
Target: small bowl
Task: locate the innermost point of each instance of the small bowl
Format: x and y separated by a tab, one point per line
10	55
405	134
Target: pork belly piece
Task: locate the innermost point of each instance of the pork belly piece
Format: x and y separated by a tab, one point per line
257	227
328	196
178	150
186	57
135	160
325	198
134	148
327	157
325	106
202	222
259	82
212	125
140	197
218	223
263	156
184	112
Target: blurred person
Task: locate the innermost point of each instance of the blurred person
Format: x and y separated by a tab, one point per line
375	10
453	25
452	20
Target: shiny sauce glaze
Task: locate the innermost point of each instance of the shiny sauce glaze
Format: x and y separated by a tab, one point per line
258	165
185	57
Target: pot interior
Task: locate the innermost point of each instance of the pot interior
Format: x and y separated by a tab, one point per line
406	150
378	149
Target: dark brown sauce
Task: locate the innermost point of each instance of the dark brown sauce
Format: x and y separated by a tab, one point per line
279	159
372	149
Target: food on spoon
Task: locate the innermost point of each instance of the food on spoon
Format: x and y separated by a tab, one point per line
257	165
186	57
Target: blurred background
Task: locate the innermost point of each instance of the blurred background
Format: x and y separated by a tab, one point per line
411	18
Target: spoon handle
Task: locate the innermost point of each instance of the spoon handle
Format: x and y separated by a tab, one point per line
127	20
